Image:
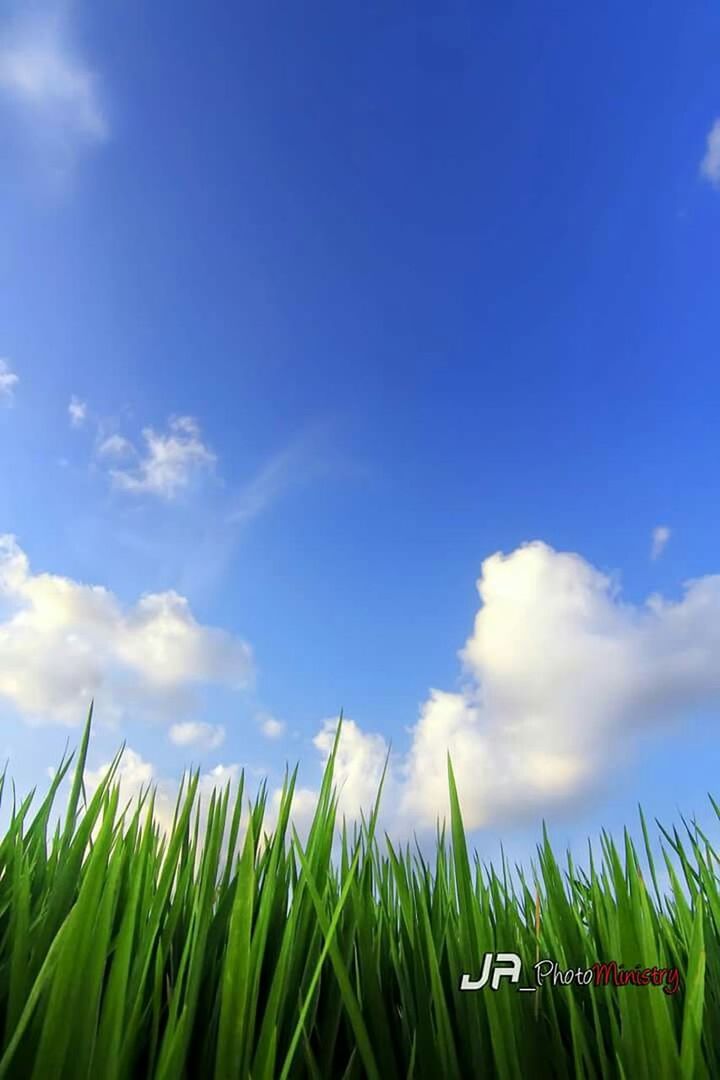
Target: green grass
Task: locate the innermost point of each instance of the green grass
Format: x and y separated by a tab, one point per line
126	952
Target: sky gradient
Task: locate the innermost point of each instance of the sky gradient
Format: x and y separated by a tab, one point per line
365	359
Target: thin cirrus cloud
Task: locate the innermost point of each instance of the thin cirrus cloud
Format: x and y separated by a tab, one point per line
563	679
114	447
198	734
168	464
8	382
265	488
46	80
710	164
174	464
63	643
300	462
176	459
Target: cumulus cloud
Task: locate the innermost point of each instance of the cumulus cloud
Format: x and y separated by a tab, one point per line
169	463
194	733
302	810
45	79
63	643
77	411
660	537
8	382
270	727
710	164
358	766
562	678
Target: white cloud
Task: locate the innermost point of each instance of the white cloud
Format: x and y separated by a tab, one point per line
710	164
8	382
358	766
116	446
77	411
563	679
269	484
270	727
302	810
171	461
63	643
305	458
660	537
134	775
194	733
43	76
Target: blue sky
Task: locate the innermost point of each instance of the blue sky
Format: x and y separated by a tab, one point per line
312	319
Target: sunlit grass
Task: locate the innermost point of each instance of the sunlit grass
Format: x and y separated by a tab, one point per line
126	952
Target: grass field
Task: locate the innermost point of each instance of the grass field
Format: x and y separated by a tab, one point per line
126	952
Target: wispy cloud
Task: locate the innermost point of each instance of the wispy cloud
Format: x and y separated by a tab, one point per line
77	411
169	462
8	382
43	76
194	733
310	456
270	727
660	537
710	164
177	461
291	467
264	489
115	447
